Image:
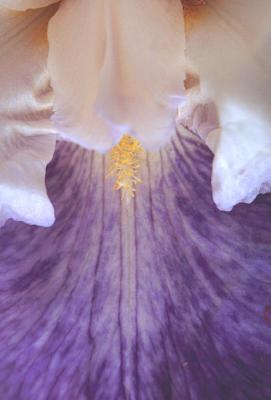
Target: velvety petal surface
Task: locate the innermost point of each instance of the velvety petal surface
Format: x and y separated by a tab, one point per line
165	298
116	67
26	135
22	5
228	47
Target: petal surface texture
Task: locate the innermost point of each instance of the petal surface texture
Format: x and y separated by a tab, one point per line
229	46
22	5
116	66
167	298
26	142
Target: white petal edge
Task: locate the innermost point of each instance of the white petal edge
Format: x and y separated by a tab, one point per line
23	194
228	46
242	162
116	67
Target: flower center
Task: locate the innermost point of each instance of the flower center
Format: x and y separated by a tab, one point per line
124	165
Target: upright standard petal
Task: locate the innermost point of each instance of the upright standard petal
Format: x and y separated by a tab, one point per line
27	141
229	48
116	67
163	298
22	5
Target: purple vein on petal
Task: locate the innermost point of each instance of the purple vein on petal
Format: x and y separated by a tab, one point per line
162	299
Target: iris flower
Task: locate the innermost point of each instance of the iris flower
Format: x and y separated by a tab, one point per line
154	291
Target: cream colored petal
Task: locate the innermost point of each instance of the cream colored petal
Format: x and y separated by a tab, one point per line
26	134
22	5
25	97
116	66
228	46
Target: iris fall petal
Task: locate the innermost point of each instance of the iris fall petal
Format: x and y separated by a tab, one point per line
166	298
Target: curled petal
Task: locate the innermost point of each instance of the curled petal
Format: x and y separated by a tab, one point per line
242	163
25	96
22	5
229	48
165	298
27	141
23	194
116	67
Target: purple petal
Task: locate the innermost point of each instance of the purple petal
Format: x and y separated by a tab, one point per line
166	299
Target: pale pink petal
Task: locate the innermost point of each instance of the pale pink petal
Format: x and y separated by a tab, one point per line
26	99
22	5
116	66
26	134
228	46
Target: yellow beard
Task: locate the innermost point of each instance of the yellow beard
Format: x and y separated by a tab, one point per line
124	165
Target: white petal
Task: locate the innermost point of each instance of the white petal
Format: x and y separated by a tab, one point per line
23	194
229	45
26	135
22	5
116	66
242	163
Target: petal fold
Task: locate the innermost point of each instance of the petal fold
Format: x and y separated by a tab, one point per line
116	67
242	163
27	136
238	81
25	98
23	194
22	5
